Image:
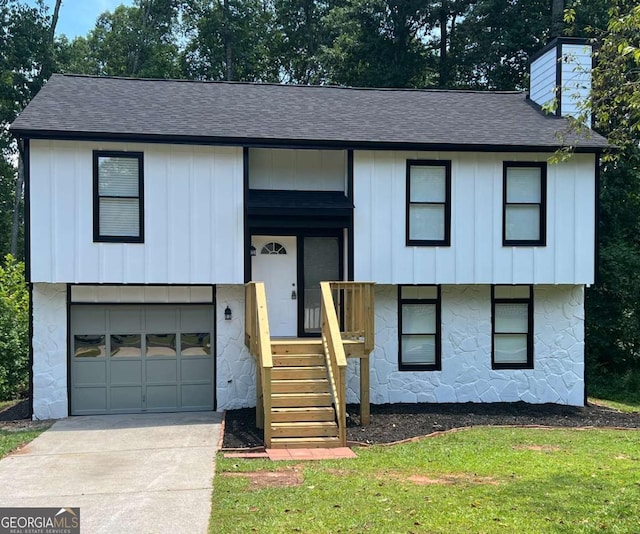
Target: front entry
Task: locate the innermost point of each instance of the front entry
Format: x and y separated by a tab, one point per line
292	268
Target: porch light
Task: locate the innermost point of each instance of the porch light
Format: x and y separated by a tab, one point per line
253	250
227	314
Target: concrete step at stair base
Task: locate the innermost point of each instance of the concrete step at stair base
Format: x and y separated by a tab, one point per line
310	413
305	443
304	429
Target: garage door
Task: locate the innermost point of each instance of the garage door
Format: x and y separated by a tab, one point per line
128	359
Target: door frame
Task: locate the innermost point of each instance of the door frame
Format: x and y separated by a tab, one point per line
300	234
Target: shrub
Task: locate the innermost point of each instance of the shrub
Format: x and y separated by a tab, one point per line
14	330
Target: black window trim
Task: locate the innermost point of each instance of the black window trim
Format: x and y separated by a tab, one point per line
529	301
437	366
446	242
542	242
97	237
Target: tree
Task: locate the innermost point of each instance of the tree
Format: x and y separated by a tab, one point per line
136	41
230	40
379	43
613	306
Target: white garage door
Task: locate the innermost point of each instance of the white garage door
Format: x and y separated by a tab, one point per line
128	359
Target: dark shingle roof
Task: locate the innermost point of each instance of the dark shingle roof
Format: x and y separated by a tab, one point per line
310	203
73	106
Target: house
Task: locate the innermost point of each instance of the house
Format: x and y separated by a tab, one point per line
152	204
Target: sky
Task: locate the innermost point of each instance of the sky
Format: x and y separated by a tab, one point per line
77	17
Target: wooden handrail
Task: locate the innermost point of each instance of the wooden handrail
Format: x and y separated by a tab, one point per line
336	359
258	340
354	303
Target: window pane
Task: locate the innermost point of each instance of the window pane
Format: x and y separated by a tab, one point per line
126	346
120	217
420	292
418	350
511	317
161	344
195	344
89	346
523	184
118	177
418	318
426	222
522	223
428	184
510	348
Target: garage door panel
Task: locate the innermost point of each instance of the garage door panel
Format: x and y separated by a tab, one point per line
126	398
197	396
91	373
195	320
162	371
161	319
90	400
89	319
162	397
126	372
196	369
125	320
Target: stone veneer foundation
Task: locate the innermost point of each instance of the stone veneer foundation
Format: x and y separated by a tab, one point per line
466	375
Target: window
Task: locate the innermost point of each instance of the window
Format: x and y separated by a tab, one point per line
428	202
419	331
524	211
512	325
118	197
273	249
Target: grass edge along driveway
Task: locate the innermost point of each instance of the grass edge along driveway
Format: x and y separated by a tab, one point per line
478	480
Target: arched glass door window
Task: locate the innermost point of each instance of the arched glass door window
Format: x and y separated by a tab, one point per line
273	248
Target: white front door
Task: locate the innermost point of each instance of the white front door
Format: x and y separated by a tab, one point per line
275	264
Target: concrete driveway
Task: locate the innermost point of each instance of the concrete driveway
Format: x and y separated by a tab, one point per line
148	473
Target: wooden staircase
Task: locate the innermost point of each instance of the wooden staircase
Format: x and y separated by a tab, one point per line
302	414
301	383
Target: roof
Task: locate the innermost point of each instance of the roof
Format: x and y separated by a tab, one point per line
303	203
73	106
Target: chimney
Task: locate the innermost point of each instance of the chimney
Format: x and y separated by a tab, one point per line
561	72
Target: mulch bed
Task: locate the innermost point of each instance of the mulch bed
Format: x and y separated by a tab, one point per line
16	417
396	422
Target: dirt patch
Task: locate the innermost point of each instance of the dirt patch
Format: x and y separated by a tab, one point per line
452	478
540	448
397	422
286	478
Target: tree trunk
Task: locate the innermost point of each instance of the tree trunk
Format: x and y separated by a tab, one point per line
47	60
15	226
557	17
443	70
227	42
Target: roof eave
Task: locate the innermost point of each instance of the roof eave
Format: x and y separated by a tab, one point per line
292	143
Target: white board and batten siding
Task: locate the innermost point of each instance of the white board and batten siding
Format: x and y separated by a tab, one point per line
301	170
476	254
192	213
543	77
573	63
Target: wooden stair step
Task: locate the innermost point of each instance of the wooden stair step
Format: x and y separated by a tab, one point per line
296	346
309	413
298	360
311	385
298	400
305	443
299	372
313	429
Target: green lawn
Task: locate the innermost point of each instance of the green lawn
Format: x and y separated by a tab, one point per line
12	439
480	480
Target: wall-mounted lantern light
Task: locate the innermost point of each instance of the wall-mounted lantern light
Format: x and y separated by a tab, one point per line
227	314
253	250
